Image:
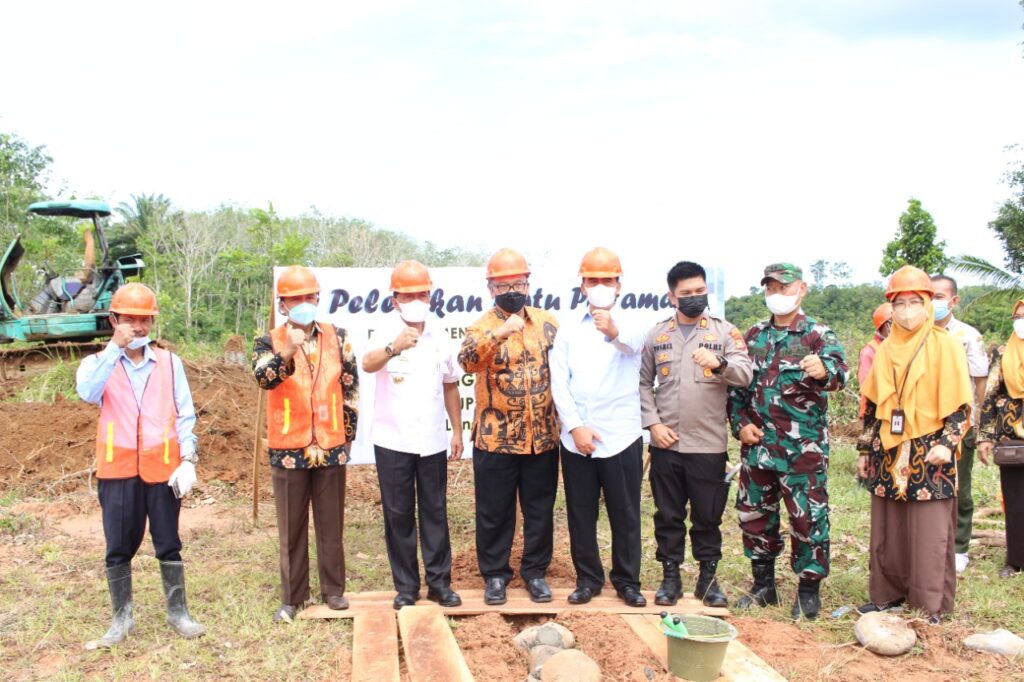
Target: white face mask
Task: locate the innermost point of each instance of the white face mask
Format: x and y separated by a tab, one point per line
136	344
414	312
1018	328
601	296
780	304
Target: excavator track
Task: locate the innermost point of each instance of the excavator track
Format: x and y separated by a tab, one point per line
16	363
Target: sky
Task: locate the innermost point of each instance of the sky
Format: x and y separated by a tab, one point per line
732	133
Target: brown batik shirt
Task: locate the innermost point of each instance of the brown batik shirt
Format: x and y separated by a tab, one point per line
515	413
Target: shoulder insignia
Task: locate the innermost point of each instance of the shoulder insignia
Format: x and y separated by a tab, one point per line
671	324
703	323
737	339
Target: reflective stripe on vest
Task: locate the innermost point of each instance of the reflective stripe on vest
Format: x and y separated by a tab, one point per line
133	441
304	408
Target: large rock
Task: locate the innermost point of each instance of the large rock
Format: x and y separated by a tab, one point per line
885	633
570	665
550	634
539	655
996	642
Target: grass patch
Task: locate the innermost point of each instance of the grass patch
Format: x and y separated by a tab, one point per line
58	379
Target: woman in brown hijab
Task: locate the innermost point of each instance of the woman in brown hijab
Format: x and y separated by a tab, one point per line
1001	415
918	406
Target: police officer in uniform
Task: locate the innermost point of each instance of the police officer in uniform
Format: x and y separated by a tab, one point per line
689	362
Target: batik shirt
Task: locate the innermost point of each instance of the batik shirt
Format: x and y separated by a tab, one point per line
901	473
785	402
1000	414
515	412
270	369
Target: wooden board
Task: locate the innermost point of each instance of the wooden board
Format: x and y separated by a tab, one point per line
375	647
518	604
740	665
431	652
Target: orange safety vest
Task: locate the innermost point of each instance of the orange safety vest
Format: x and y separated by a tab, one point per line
134	440
874	343
308	406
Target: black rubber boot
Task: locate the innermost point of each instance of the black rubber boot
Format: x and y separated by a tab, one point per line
807	603
119	582
671	584
707	589
173	574
763	592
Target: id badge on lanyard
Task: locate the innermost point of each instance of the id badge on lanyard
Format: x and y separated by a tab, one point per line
896	422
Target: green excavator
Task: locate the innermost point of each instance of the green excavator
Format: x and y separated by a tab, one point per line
71	309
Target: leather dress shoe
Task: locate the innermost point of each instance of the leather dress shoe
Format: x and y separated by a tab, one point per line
494	591
539	590
336	602
1008	571
285	613
582	595
405	599
631	596
445	596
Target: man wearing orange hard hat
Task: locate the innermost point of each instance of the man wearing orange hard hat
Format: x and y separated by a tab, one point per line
515	429
145	456
311	376
417	385
595	381
882	320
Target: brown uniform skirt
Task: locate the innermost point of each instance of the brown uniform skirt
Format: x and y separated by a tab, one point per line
912	546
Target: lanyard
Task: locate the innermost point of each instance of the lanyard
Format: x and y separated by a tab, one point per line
906	374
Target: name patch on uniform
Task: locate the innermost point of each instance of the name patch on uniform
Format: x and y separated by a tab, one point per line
710	346
662	346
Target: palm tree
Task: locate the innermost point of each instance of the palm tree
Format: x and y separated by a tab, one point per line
1009	286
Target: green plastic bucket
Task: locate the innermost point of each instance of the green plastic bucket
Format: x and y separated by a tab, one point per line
699	655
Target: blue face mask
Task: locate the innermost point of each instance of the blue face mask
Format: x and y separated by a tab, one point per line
941	309
302	314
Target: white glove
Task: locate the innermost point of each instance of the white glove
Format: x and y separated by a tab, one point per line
183	478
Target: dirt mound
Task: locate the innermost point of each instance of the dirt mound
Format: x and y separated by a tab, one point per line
628	659
466	572
797	654
486	644
53	444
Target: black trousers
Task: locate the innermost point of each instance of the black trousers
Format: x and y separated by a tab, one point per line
408	481
681	477
126	504
619	477
497	480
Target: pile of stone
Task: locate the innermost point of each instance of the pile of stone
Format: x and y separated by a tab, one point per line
553	657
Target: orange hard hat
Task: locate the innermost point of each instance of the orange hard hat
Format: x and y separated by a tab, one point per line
297	280
600	262
134	298
507	263
909	278
882	314
410	277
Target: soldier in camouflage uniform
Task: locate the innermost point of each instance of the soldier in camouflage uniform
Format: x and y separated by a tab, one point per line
781	419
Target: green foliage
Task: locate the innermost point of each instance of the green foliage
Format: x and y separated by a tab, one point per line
58	379
24	170
914	243
1009	223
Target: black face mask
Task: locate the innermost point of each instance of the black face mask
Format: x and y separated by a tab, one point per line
511	301
692	306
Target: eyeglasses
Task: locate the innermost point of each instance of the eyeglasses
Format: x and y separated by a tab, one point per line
505	287
907	303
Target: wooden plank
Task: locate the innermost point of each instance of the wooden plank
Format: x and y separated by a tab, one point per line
431	652
518	604
375	647
740	664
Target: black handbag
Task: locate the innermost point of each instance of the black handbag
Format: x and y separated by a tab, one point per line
1009	453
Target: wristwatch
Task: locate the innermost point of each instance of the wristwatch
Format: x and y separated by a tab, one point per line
390	350
722	364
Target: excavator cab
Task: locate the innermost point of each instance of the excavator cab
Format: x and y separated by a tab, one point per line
69	307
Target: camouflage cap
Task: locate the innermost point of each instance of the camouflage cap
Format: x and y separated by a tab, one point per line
787	273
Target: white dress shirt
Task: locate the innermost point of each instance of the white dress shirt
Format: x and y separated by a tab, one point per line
409	412
596	383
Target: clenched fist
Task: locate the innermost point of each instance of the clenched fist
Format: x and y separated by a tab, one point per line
292	340
513	324
814	367
605	324
406	339
706	359
663	437
123	335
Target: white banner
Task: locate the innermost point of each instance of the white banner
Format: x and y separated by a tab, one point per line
358	299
